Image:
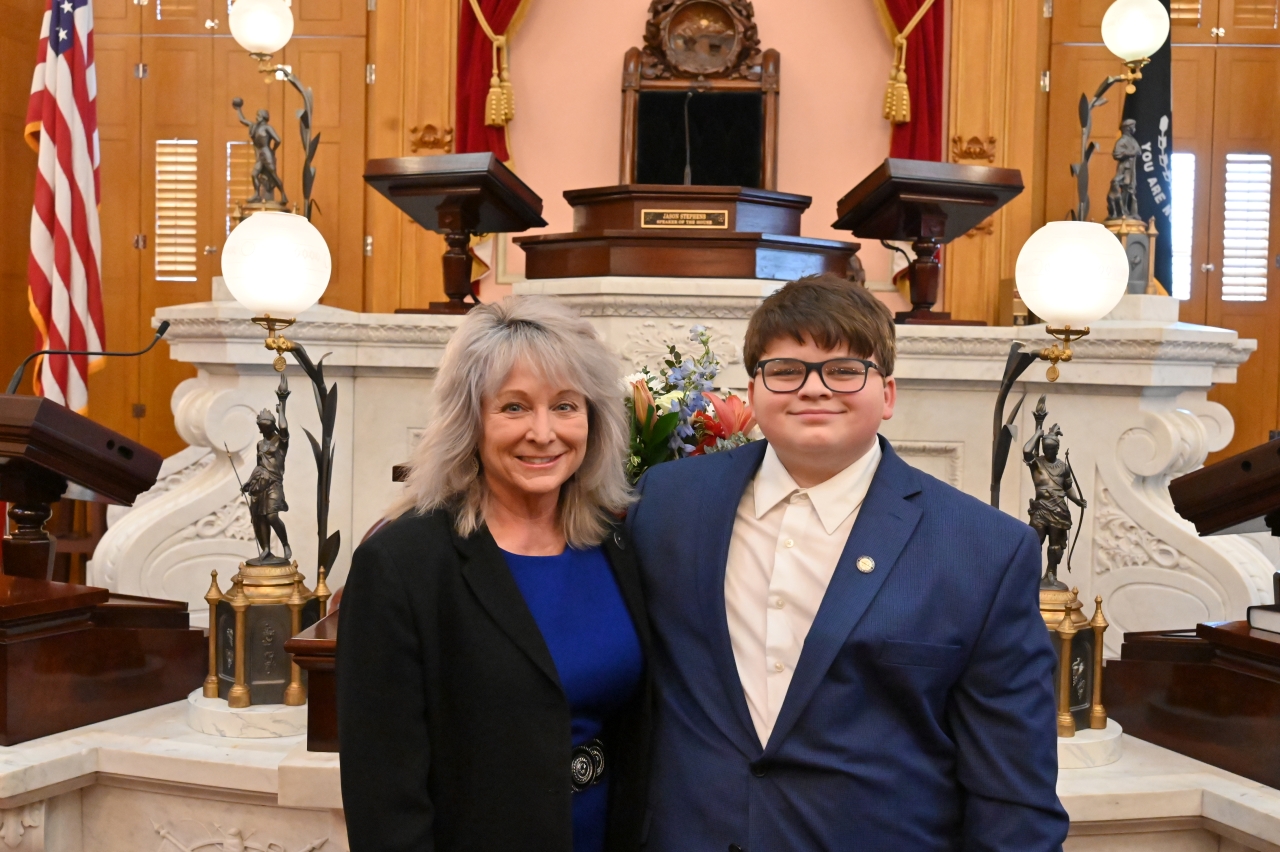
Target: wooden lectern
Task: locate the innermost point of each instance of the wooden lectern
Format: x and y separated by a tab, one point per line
43	446
458	195
930	204
685	231
73	655
1212	692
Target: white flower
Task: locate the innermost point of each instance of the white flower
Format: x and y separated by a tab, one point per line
628	381
669	400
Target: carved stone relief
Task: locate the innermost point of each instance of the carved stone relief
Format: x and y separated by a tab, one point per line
22	827
1119	543
229	521
193	837
942	459
646	345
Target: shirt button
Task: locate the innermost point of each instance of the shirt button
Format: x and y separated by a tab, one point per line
778	603
777	667
789	543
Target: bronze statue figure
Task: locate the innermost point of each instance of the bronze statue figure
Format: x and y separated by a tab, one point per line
265	142
1122	199
1054	485
265	486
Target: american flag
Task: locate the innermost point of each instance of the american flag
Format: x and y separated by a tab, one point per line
64	272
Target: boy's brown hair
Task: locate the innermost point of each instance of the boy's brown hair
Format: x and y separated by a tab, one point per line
831	311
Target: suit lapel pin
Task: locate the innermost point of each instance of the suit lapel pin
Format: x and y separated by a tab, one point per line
866	564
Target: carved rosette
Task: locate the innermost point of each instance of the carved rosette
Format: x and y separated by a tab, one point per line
701	39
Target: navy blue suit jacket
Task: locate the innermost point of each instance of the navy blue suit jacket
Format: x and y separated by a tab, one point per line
920	715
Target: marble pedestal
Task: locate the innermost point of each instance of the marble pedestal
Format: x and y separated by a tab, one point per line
213	716
1090	748
1132	406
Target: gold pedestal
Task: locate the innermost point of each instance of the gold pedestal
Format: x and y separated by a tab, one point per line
1063	616
266	589
245	209
212	596
1054	604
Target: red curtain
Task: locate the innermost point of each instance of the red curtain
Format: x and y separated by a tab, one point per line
921	137
475	69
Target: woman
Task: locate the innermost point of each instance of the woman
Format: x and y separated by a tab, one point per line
491	687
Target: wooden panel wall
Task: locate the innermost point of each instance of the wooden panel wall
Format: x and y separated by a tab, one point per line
413	45
995	117
18	38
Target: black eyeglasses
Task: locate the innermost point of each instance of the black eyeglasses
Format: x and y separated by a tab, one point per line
840	375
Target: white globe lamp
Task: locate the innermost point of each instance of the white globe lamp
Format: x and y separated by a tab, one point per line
261	27
276	265
1071	274
1135	29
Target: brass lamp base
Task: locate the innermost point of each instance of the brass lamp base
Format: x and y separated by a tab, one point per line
1055	353
276	341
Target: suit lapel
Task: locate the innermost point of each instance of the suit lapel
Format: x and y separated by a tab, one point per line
486	572
722	497
885	524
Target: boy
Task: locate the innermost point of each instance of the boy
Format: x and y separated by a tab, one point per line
849	654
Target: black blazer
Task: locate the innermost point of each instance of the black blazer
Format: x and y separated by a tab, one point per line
453	726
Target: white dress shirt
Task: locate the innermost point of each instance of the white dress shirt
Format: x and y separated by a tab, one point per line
785	545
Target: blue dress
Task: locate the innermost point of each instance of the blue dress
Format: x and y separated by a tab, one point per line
576	602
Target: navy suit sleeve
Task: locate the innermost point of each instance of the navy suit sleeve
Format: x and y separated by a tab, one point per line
382	726
1005	722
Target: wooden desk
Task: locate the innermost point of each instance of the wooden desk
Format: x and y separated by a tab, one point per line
74	655
1212	693
315	650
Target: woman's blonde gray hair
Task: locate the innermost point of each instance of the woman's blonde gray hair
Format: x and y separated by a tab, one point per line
547	335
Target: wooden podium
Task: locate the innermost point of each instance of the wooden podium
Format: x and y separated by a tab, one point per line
460	196
930	204
652	230
73	655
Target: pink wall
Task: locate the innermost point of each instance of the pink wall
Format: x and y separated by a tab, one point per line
566	66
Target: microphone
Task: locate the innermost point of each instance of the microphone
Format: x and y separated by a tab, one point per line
688	149
17	374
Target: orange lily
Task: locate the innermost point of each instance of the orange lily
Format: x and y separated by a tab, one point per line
642	399
733	415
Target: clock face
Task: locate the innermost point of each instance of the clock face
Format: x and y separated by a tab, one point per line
702	38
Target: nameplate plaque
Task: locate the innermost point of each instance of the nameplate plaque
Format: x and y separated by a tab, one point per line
718	219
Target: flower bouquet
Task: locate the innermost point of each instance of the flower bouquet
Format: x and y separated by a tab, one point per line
676	413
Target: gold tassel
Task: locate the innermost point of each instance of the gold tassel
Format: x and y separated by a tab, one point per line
495	112
508	92
897	97
500	103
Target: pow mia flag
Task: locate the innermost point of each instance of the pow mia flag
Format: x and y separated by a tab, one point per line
1151	107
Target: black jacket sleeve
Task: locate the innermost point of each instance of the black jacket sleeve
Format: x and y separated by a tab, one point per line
382	725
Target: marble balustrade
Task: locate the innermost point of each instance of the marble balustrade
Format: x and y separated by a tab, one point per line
1132	407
